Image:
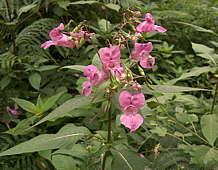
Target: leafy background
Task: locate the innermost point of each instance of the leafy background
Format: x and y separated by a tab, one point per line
179	131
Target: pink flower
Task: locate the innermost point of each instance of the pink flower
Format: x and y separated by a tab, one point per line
114	68
87	88
142	53
90	70
94	78
141	49
130	104
149	25
58	38
131	121
147	62
110	54
142	156
126	99
13	111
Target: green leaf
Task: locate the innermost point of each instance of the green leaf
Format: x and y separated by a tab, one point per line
35	80
104	25
161	131
23	126
209	126
197	152
26	8
113	7
51	101
68	106
204	52
47	68
186	118
96	61
5	81
67	134
197	28
169	89
75	67
194	72
26	105
83	2
127	160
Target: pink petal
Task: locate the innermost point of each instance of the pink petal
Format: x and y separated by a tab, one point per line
87	88
138	100
90	70
159	28
133	122
149	18
48	44
125	99
145	27
147	62
110	54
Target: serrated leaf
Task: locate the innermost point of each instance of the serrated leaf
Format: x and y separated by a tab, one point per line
75	67
67	134
26	105
35	80
68	106
209	126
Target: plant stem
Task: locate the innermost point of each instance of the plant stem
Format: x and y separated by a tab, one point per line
214	98
109	122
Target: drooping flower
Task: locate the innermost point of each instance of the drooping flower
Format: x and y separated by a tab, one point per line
13	111
111	54
94	78
58	38
131	121
141	50
149	25
110	58
130	104
141	53
126	99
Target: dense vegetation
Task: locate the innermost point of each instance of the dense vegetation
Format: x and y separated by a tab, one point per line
46	123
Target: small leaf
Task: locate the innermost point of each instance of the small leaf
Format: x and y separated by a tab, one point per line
5	81
26	105
186	118
68	133
26	8
209	126
35	80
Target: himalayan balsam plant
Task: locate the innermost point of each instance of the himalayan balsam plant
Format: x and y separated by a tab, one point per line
121	79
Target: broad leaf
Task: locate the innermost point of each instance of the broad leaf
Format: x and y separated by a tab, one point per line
186	118
127	160
209	126
26	105
35	80
67	134
68	106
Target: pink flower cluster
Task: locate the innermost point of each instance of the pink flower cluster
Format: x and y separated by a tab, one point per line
110	58
13	110
60	39
130	104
